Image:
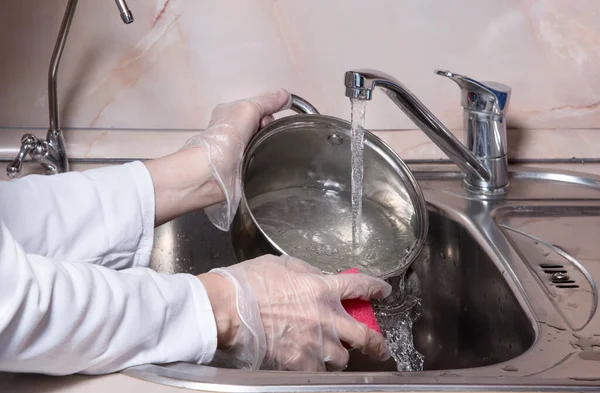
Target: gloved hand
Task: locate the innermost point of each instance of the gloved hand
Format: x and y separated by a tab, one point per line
289	316
228	132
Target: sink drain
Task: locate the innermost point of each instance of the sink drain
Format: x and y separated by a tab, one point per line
560	277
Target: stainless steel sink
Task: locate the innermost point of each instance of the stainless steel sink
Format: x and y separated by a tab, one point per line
494	317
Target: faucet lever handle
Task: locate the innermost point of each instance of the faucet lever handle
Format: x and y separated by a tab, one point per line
487	97
28	144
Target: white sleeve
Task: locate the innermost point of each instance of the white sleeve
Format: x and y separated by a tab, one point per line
66	317
102	216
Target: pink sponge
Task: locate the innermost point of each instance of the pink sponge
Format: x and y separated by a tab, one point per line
360	310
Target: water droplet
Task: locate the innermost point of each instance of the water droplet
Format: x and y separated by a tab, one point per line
334	139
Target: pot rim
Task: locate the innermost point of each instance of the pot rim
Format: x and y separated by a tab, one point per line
373	141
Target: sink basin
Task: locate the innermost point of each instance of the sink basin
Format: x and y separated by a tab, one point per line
491	316
470	317
190	244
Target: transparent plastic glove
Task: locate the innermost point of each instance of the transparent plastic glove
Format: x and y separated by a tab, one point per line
228	132
291	316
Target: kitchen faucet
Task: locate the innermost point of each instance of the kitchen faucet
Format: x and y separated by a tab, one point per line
484	160
51	152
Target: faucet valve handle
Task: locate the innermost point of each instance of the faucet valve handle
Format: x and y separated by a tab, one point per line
487	97
484	107
28	144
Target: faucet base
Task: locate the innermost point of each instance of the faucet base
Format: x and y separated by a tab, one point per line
50	153
57	153
498	184
483	192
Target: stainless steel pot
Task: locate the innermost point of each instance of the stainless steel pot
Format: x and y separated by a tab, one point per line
296	198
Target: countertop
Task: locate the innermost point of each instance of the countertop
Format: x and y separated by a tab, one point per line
113	383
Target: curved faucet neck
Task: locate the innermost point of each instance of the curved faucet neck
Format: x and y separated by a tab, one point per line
360	85
63	33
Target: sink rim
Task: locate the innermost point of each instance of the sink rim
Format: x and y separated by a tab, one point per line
303	382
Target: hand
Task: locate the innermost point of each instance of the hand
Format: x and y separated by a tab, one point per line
229	131
207	169
284	314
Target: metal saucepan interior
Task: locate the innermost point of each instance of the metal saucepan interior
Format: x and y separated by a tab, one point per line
297	199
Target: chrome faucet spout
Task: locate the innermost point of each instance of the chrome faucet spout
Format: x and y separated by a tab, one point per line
360	85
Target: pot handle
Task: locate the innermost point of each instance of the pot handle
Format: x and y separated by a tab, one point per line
301	106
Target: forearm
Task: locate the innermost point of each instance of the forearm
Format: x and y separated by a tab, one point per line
62	318
183	182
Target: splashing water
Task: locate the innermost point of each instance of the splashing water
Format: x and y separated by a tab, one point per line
357	121
397	330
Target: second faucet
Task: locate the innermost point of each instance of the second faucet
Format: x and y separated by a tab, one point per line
51	152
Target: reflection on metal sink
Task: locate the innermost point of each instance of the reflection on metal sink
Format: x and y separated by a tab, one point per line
492	317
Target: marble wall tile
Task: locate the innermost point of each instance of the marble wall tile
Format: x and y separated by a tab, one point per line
181	57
